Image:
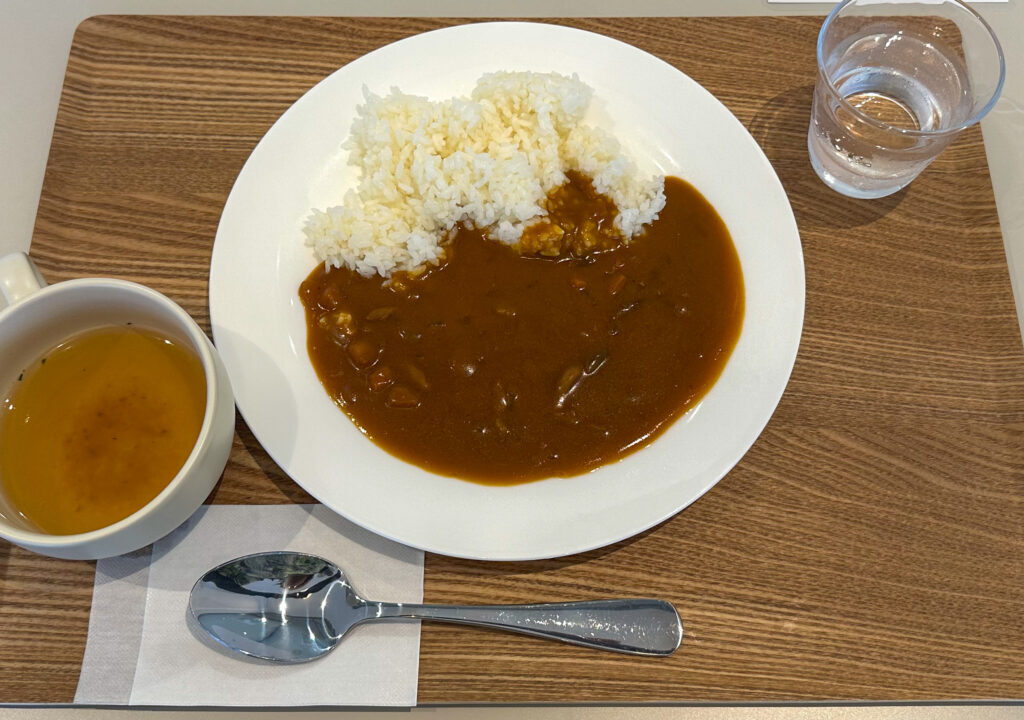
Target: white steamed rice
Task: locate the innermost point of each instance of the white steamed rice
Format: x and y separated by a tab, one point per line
488	161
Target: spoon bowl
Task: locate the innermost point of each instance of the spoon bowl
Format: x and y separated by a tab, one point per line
292	607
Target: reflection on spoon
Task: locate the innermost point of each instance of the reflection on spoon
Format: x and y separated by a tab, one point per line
292	607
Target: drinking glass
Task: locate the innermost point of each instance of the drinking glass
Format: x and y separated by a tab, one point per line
897	81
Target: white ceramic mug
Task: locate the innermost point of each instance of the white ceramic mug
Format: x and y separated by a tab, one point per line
35	317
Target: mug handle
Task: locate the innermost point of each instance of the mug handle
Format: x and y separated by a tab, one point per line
19	278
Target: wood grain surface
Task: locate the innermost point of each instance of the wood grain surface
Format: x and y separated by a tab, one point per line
870	546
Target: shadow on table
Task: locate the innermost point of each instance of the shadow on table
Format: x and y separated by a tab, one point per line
482	569
780	128
270	469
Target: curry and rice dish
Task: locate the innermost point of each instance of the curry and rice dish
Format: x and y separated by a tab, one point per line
504	298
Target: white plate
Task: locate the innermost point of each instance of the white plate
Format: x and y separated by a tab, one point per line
666	121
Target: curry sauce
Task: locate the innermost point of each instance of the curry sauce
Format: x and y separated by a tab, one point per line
504	365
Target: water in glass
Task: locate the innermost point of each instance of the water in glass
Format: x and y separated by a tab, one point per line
887	83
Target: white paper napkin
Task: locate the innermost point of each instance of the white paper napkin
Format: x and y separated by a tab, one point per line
140	650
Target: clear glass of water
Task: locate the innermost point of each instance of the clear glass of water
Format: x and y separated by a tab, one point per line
897	81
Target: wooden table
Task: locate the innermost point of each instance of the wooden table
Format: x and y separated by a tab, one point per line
869	546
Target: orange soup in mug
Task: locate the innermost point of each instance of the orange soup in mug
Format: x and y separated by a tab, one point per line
95	428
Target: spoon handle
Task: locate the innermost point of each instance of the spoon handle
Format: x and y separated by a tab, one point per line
638	626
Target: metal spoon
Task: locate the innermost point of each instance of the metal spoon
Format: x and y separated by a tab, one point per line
292	607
